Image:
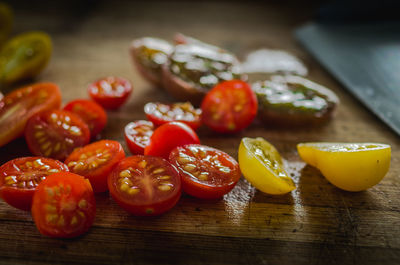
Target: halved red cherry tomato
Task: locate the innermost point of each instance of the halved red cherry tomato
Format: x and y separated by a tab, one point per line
168	136
110	92
229	107
21	104
137	136
56	133
206	172
160	113
145	185
20	177
64	205
91	112
95	161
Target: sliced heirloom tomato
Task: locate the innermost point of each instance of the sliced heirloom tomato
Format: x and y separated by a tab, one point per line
168	136
91	112
206	172
95	161
145	185
137	136
56	133
160	113
20	177
21	104
64	205
348	166
261	164
110	92
229	107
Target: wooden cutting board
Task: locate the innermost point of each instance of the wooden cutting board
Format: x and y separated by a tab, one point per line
315	224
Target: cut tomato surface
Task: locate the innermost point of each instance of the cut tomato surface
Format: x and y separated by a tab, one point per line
160	113
20	177
64	205
206	172
110	92
229	107
168	136
137	135
95	161
56	133
21	104
91	112
145	185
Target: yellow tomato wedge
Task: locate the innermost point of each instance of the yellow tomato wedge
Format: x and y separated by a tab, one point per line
349	166
261	164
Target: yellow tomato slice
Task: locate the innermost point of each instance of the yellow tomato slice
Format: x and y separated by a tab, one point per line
349	166
261	164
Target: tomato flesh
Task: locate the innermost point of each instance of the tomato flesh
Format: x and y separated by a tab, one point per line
21	104
95	161
64	205
145	185
160	113
20	177
110	92
91	112
206	172
56	133
168	136
137	136
229	107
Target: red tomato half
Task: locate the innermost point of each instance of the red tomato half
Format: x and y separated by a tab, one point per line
91	112
137	136
21	104
56	133
95	161
20	177
206	172
110	92
64	205
145	185
168	136
229	107
160	113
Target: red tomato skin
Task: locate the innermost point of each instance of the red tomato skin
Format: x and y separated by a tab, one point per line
211	101
81	188
140	210
134	147
89	111
14	128
168	136
18	197
108	101
98	177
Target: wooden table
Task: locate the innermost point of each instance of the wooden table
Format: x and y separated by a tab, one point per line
315	224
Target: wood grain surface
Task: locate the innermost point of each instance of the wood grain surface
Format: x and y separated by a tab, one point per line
315	224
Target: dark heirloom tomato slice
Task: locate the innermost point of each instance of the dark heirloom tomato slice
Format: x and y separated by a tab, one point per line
95	161
160	113
145	185
229	107
137	136
91	112
110	92
56	133
21	104
206	172
168	136
20	177
64	205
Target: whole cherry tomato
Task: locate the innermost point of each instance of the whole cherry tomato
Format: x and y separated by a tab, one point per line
137	136
229	107
110	92
168	136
